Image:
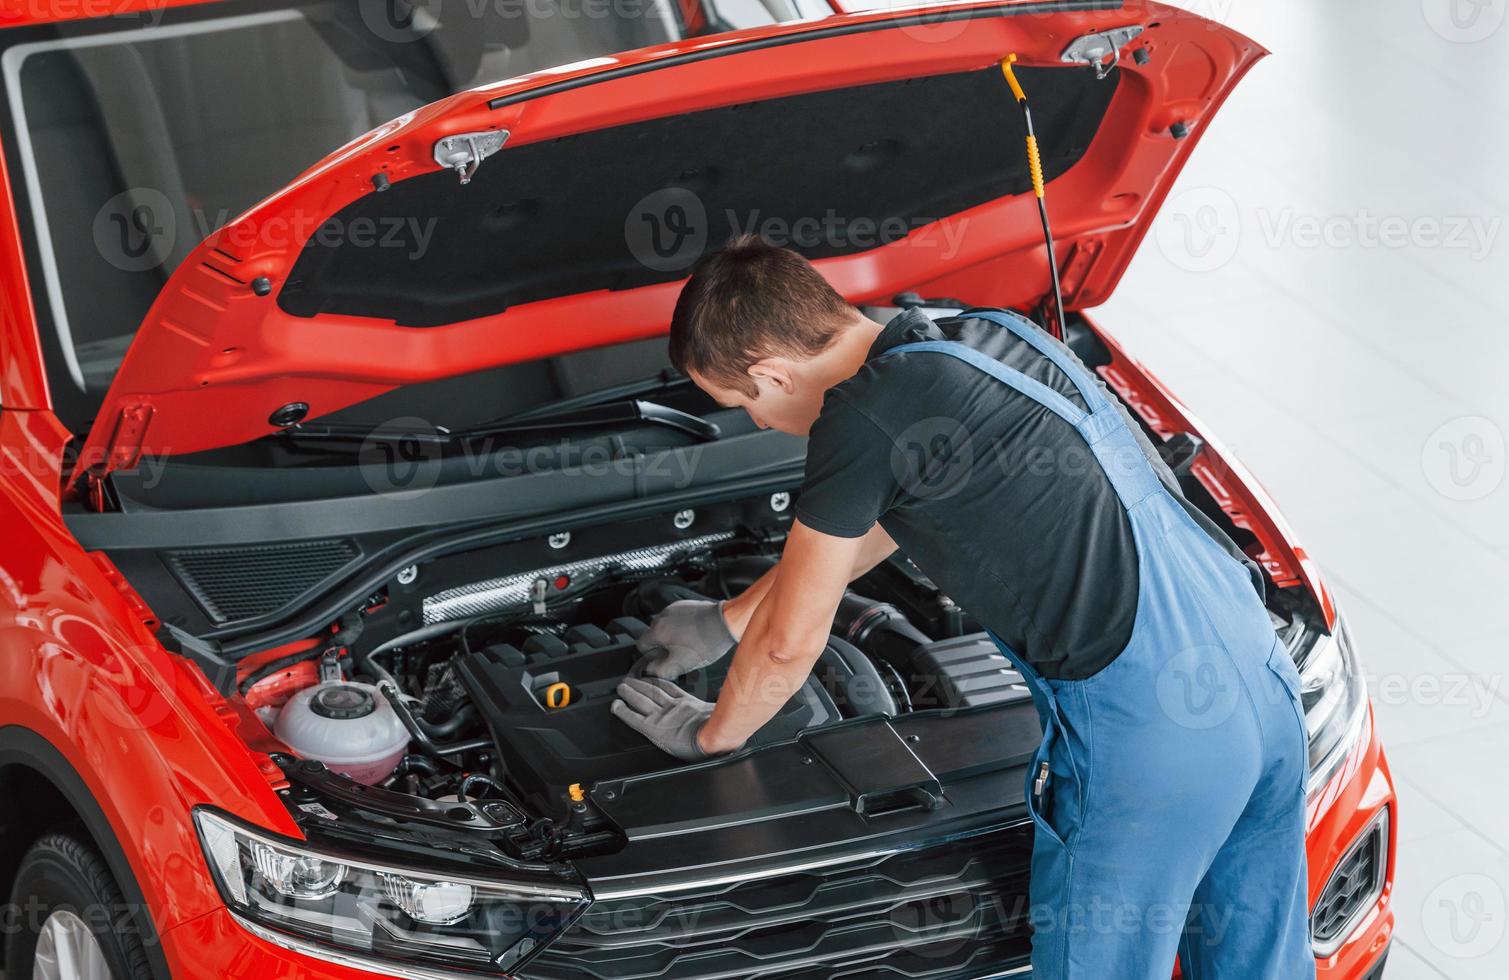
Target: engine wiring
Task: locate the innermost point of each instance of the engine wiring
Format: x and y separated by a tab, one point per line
580	630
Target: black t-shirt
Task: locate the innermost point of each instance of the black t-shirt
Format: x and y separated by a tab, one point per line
996	498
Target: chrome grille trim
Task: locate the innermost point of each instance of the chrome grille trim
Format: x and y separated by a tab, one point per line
465	601
1331	927
952	909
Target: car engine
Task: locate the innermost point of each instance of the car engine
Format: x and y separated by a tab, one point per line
501	688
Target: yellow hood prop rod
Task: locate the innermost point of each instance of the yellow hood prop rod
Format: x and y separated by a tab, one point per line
1056	325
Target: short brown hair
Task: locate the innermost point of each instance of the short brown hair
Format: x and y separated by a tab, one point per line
748	301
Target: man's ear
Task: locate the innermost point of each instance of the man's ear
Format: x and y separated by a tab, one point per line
774	371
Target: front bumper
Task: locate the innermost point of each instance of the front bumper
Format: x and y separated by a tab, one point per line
1340	813
217	945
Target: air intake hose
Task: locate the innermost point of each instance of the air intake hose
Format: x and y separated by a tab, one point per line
879	629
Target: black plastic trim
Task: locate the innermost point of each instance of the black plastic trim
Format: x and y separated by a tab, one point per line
490	499
234	642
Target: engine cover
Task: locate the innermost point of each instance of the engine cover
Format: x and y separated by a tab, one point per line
970	671
548	748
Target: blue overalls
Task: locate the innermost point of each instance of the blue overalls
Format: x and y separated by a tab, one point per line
1168	791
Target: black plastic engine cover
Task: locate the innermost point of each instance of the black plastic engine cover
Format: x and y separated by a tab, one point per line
969	671
547	749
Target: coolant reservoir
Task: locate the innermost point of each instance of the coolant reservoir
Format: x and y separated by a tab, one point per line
349	727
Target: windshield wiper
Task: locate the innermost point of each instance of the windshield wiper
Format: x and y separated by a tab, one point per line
636	411
348	432
629	389
611	415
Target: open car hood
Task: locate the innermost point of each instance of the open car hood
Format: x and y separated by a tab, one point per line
884	145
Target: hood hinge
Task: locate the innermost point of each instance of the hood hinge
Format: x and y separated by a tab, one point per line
122	451
1080	260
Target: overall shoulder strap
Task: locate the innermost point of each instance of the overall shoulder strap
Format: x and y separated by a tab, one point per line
1103	428
1028	333
1009	376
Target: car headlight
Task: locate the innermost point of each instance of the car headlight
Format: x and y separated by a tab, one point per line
379	916
1334	696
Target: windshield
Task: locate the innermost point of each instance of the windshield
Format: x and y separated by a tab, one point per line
132	138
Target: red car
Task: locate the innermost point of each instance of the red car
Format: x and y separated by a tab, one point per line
329	527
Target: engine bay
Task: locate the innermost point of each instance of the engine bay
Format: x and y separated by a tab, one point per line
458	689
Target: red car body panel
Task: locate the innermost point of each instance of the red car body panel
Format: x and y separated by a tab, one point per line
143	733
81	667
23	376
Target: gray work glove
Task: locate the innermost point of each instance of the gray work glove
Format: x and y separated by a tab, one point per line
687	634
663	713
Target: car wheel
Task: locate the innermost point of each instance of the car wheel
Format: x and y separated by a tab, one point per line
71	922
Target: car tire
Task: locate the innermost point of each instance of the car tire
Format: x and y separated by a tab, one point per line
67	906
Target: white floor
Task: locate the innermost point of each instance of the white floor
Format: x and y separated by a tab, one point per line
1328	288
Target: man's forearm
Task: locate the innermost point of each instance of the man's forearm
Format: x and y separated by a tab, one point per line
738	611
766	671
785	635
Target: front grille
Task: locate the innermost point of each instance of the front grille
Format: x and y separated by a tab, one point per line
239	583
944	912
1353	888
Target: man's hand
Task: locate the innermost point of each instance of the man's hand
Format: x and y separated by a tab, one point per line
686	635
663	713
785	636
